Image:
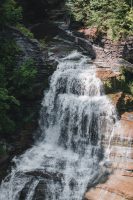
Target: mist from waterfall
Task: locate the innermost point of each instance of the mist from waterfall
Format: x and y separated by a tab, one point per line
74	119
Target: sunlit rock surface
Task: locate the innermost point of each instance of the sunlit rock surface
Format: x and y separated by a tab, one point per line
119	185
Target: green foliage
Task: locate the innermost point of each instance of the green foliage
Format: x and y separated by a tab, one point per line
123	82
8	50
16	82
108	86
129	19
3	151
10	13
25	30
23	79
130	86
113	17
80	9
6	102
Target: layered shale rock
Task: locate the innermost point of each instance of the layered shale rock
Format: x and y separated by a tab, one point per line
113	54
119	185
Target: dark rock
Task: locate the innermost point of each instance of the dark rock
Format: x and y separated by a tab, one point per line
43	179
36	11
49	29
40	191
47	175
112	54
45	29
73	184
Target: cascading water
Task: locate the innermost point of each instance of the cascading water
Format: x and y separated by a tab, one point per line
74	118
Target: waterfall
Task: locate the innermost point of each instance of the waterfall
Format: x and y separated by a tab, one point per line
75	118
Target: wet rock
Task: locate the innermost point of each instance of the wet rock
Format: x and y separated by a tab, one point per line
25	190
119	186
40	191
122	140
47	175
40	180
73	184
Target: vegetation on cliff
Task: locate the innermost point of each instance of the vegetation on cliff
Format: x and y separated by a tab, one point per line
115	18
16	81
120	90
123	82
11	14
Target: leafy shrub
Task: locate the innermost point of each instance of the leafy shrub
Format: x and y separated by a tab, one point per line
108	86
16	82
6	102
130	85
23	79
3	150
10	12
8	51
123	82
113	17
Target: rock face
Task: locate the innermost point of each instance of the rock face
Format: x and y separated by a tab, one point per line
107	58
109	53
105	74
119	185
118	49
37	11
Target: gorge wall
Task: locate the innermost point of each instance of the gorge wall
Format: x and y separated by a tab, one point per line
109	57
110	53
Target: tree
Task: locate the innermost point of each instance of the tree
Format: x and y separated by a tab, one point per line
111	17
10	13
15	81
